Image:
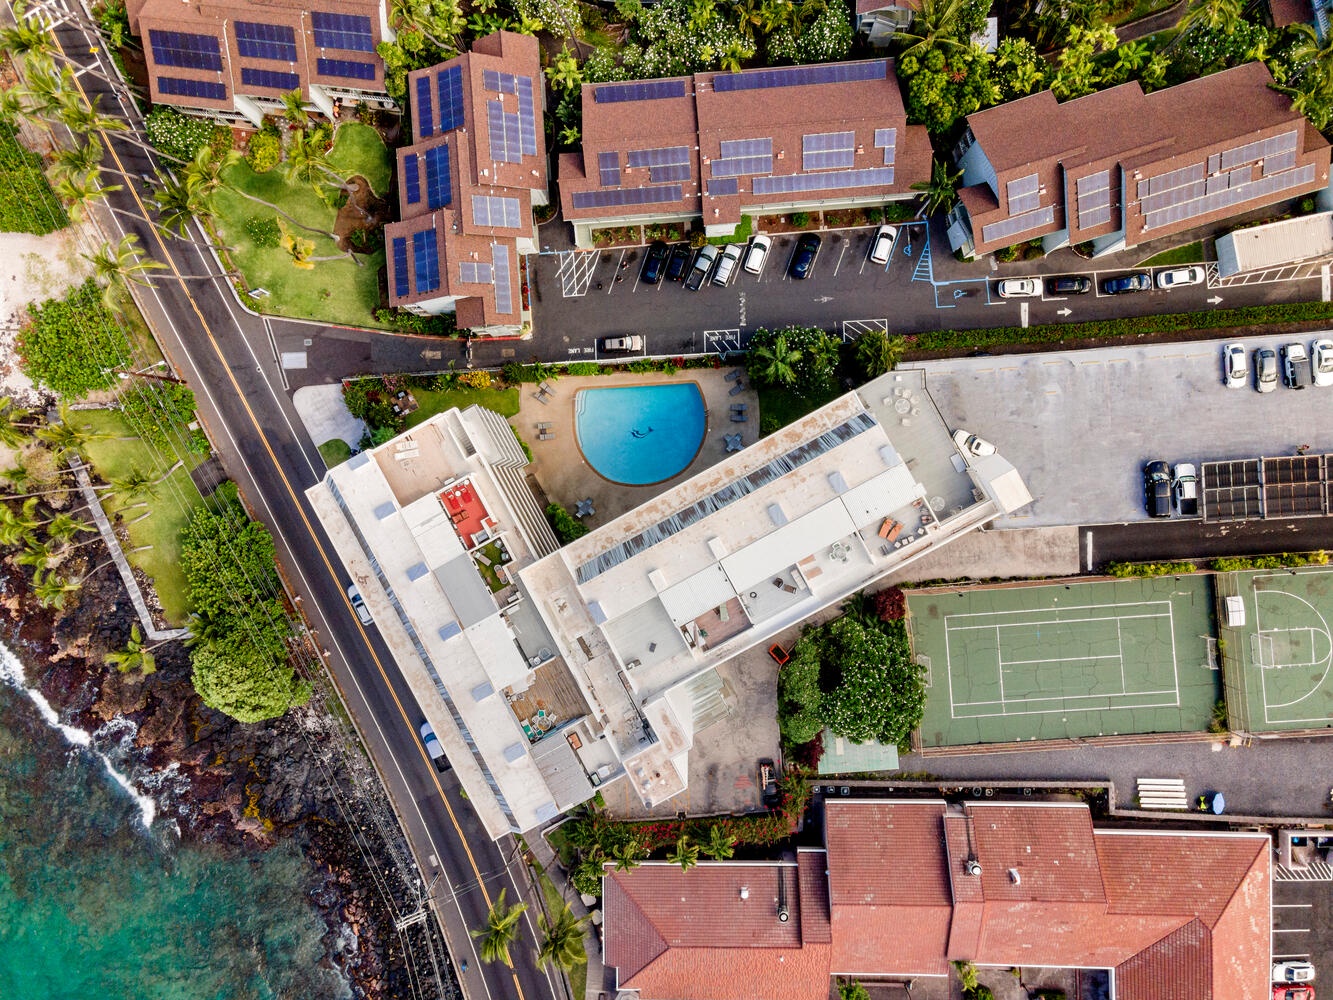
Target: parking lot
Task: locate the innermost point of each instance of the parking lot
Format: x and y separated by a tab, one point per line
1079	425
1303	919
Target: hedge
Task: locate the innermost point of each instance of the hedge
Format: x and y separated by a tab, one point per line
1130	569
1283	560
73	345
27	203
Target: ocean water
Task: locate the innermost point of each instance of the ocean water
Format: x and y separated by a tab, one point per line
99	898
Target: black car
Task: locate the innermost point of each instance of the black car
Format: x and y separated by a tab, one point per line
768	783
1139	282
654	263
1157	489
678	263
803	260
1069	284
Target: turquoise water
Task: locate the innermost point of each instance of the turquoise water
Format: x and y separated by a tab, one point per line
640	434
93	905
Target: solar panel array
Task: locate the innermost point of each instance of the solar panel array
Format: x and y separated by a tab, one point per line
449	87
342	31
412	178
887	140
743	156
645	90
627	196
348	68
439	184
1008	228
1023	195
828	151
1094	199
504	296
722	186
499	83
269	78
475	272
608	169
266	41
667	163
400	281
179	48
178	87
869	177
1261	148
735	490
488	210
503	133
1233	194
800	76
426	260
425	111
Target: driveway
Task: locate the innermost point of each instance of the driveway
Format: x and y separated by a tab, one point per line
1079	425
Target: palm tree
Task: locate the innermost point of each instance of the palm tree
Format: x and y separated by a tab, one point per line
775	363
562	938
302	249
17	526
136	657
65	437
934	24
721	844
16	425
685	853
121	266
78	193
293	109
37	554
76	160
565	73
52	591
627	856
500	931
137	483
940	193
63	528
877	352
1216	15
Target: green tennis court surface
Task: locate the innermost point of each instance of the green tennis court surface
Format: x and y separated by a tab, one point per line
1279	666
1091	659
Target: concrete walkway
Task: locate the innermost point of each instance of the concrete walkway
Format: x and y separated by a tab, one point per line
325	415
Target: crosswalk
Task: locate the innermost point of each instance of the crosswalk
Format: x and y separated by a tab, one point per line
1317	871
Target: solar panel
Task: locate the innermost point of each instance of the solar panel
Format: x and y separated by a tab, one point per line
177	87
266	41
627	196
741	165
412	178
488	210
722	186
800	76
608	167
833	159
1264	187
187	51
1008	228
269	78
643	90
1278	162
449	85
869	177
503	134
400	285
342	31
670	172
348	68
499	83
1023	195
475	272
663	157
887	140
439	187
828	150
1094	199
426	260
746	147
504	296
425	113
1252	151
527	117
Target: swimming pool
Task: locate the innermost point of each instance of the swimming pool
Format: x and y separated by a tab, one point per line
640	434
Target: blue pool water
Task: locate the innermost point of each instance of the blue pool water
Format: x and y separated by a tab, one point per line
640	434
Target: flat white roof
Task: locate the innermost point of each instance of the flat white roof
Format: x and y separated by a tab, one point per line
1305	237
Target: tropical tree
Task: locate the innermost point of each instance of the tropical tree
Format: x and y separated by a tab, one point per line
117	267
135	657
502	926
1216	15
301	249
562	938
78	192
940	193
16	424
943	24
565	73
685	853
627	855
877	352
775	363
52	591
721	843
64	437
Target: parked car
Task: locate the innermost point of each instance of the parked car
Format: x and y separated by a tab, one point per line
1069	284
1293	972
1018	288
1295	366
757	255
1281	992
1157	489
768	783
1185	484
1177	277
678	263
807	252
433	747
1321	352
1120	285
703	263
1235	366
1265	369
617	345
359	605
654	263
726	264
882	244
971	445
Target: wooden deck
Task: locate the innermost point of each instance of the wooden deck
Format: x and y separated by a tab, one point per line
553	692
718	629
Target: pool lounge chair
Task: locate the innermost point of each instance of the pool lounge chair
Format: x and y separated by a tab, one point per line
737	389
733	375
739	418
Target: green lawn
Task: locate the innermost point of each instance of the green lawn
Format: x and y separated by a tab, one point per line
333	291
430	402
778	406
335	452
1190	253
169	512
578	976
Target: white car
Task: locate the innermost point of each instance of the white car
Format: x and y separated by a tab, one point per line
359	605
1179	276
1018	288
726	264
971	445
1293	972
1322	353
882	245
1235	366
757	255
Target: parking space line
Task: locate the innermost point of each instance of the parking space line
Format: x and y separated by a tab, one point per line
841	254
1293	906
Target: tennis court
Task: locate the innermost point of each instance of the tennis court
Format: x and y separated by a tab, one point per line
1279	665
1051	662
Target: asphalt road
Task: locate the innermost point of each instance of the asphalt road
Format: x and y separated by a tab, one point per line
224	354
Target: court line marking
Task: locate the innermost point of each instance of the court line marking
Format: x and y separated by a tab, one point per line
1072	607
1066	621
1263	674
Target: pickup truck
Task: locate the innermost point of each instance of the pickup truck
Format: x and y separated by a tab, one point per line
1296	372
1186	486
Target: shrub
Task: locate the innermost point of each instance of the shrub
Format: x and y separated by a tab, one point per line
584	368
443	325
565	525
263	231
264	151
850	989
801	220
72	345
1283	560
367	398
161	413
475	379
808	755
889	604
27	203
176	134
1129	569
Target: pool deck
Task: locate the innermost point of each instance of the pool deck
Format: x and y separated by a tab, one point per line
565	475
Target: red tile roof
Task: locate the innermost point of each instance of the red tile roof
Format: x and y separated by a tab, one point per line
1178	967
886	853
1040	853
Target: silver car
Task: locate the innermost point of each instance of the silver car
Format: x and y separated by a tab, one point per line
726	264
1265	369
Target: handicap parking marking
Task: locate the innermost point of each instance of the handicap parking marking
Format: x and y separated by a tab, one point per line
575	271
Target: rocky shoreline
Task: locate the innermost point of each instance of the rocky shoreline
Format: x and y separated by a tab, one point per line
243	787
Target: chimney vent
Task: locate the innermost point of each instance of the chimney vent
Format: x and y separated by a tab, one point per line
1014	877
745	892
973	867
